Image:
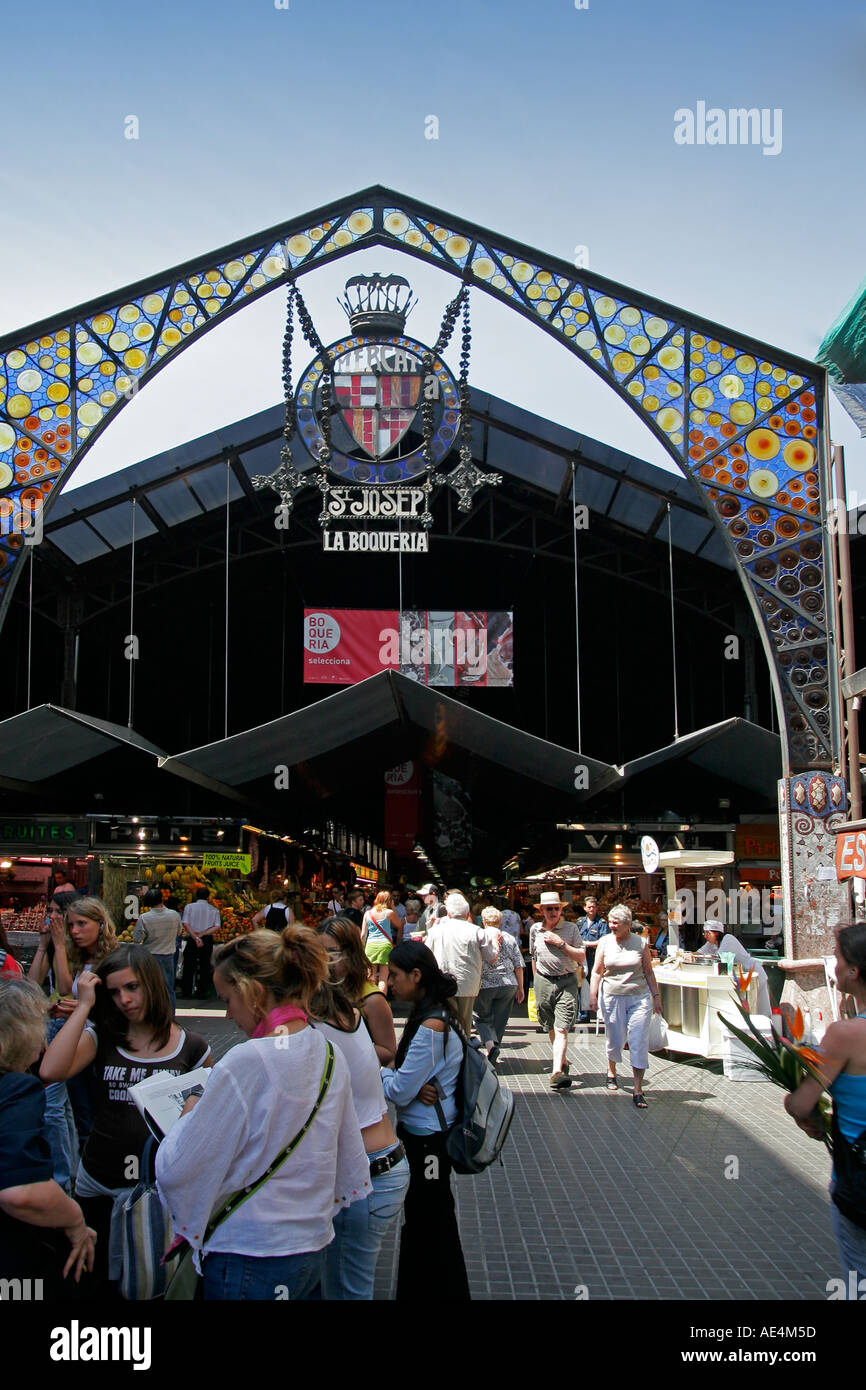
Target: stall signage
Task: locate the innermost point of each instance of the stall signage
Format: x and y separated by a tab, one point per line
241	862
364	871
649	854
757	841
851	854
52	834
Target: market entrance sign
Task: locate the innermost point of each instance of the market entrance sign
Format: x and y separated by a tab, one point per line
378	412
241	862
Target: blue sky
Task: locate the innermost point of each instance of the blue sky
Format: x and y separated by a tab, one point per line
555	127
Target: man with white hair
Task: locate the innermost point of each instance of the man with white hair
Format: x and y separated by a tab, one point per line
459	947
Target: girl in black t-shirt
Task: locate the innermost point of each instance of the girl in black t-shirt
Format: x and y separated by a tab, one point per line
122	1022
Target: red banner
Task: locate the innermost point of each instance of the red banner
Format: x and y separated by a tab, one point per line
438	648
402	793
342	645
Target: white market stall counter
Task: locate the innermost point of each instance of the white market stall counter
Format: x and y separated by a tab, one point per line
692	996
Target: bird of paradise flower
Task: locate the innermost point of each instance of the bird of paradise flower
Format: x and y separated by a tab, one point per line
786	1064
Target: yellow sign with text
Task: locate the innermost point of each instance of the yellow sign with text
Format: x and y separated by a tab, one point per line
240	862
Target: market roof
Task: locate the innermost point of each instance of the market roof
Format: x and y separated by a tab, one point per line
734	749
47	740
387	702
189	481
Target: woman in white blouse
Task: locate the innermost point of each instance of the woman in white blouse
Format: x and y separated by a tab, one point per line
623	973
260	1098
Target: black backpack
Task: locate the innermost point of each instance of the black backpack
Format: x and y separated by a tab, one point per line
485	1110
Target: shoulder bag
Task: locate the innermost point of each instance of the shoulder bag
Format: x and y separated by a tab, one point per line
186	1281
849	1162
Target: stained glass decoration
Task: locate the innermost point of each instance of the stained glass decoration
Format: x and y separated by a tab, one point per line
743	421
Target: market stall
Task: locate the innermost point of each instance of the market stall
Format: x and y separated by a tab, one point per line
693	994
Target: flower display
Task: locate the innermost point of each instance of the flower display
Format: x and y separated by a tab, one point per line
785	1064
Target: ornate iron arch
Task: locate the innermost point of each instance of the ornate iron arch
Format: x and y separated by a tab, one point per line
744	421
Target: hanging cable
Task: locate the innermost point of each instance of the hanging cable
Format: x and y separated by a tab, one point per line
30	623
673	624
576	605
132	643
226	719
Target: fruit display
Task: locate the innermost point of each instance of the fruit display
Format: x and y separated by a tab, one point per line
236	907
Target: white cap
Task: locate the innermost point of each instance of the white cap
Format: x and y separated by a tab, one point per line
427	888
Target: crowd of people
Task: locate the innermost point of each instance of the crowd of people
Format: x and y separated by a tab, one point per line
332	1131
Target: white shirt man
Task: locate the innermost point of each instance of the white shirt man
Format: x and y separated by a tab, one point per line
201	920
459	947
430	899
718	942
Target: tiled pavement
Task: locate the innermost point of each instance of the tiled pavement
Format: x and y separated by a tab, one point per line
598	1200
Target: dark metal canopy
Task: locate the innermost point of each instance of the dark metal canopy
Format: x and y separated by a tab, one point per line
734	749
385	701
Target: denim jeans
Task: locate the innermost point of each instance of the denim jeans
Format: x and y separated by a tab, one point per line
359	1230
166	965
232	1277
60	1124
851	1240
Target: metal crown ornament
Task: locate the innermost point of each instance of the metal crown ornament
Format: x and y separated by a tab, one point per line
378	412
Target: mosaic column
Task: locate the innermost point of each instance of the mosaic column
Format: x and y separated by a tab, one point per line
810	805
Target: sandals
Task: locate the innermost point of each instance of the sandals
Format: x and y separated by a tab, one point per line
639	1101
560	1080
610	1084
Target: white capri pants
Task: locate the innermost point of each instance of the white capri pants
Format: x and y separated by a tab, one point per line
627	1017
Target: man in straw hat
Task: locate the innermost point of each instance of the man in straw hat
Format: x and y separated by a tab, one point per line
557	950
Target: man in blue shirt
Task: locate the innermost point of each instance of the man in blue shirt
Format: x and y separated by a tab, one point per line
592	928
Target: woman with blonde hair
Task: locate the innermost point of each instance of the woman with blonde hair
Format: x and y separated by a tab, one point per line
258	1207
359	1230
69	1108
350	969
32	1205
623	972
381	930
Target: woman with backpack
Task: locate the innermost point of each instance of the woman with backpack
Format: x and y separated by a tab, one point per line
426	1070
277	915
380	932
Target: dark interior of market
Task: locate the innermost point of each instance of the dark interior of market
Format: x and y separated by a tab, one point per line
514	551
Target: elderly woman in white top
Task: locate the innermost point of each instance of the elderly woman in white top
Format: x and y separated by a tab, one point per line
629	995
718	942
501	986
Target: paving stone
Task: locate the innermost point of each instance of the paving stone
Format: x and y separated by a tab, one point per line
634	1204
